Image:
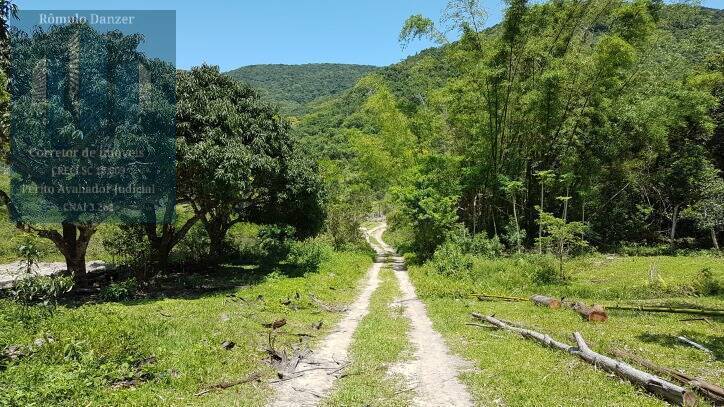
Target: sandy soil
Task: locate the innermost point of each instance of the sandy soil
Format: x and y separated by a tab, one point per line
323	368
432	372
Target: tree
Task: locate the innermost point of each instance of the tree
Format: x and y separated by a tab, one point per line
545	178
564	236
512	188
708	210
8	9
76	142
236	161
429	203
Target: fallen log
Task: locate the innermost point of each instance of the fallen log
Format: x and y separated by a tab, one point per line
660	387
549	302
545	340
594	313
537	299
487	297
694	311
710	391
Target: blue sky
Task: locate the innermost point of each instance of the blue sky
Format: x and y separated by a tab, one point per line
236	33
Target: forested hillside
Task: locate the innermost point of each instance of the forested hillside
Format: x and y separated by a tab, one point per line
528	214
294	87
611	112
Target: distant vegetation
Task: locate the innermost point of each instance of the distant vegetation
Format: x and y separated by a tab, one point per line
608	116
295	87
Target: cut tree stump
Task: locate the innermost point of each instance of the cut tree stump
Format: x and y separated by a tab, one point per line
656	385
594	313
710	391
549	302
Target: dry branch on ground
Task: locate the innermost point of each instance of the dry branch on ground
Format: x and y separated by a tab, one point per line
656	385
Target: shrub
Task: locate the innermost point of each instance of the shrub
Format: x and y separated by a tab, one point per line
307	255
481	245
450	259
636	249
705	283
545	271
194	247
120	291
274	243
128	245
242	238
41	289
30	250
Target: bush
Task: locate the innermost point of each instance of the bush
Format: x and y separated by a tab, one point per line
274	243
242	238
120	291
450	259
705	283
545	270
128	245
481	245
307	255
41	289
478	245
194	247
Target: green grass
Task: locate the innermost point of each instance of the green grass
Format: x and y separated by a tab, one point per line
598	277
379	342
519	372
97	344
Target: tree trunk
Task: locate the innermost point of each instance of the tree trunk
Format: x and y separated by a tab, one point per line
713	239
216	247
549	302
217	229
73	246
712	392
163	244
664	389
673	224
595	313
161	254
692	311
517	227
540	224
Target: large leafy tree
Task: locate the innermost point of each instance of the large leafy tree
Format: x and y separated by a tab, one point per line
123	103
8	9
236	161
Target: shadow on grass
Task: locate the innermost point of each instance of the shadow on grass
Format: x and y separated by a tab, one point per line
715	343
186	282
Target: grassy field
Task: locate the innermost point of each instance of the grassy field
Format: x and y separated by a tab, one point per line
163	350
513	371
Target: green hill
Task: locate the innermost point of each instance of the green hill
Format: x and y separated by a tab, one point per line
295	87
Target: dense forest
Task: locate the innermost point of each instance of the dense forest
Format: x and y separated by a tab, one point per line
294	87
603	114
